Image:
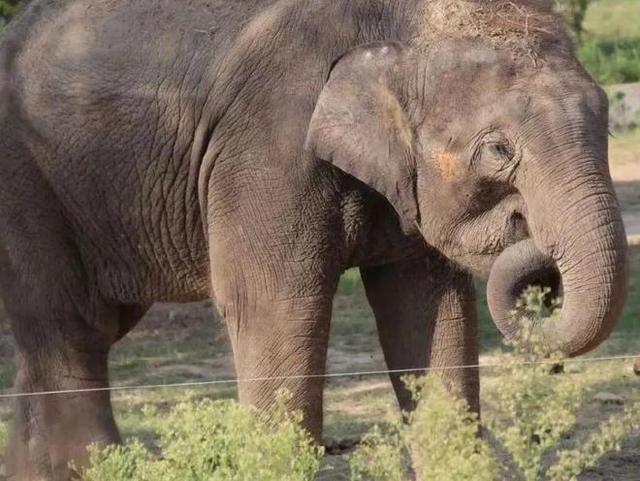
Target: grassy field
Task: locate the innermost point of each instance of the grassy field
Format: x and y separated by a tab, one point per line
624	149
613	18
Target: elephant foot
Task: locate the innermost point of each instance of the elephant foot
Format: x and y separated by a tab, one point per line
27	459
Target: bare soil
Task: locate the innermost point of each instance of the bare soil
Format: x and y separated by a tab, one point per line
625	170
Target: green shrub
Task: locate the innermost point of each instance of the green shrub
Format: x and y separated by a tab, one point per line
214	441
530	415
572	462
534	411
440	438
381	456
611	61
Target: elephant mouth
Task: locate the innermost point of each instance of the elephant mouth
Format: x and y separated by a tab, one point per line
514	228
480	263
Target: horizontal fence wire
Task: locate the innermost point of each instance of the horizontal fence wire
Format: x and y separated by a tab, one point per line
632	240
214	382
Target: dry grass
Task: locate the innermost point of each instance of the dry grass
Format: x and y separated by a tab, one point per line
528	28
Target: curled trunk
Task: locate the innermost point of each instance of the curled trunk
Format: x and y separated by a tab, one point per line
585	252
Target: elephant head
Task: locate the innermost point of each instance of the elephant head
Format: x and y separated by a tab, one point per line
497	156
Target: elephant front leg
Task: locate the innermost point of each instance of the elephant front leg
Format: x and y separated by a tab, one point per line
426	315
278	314
282	345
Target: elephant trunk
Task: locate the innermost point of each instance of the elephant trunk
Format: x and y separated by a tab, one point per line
578	241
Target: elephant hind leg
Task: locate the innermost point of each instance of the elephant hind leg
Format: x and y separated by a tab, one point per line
63	331
60	347
52	430
426	316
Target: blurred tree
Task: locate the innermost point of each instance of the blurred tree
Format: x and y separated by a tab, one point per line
8	8
574	11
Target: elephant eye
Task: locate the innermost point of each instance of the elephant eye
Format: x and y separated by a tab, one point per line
494	148
499	146
502	149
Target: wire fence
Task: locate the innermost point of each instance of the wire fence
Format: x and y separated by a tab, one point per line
230	381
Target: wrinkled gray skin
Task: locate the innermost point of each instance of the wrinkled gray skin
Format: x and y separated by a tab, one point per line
252	151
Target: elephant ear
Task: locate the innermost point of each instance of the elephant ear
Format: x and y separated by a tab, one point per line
360	127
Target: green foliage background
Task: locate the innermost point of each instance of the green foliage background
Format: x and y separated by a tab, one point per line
8	8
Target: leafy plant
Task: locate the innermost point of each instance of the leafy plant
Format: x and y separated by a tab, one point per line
441	439
531	416
571	463
381	456
531	412
214	441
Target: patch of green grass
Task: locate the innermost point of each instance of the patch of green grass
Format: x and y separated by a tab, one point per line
4	435
350	282
489	336
630	322
170	356
353	407
353	327
7	375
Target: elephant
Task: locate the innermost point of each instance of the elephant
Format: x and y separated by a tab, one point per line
252	151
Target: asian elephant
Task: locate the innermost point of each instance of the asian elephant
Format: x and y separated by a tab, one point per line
253	150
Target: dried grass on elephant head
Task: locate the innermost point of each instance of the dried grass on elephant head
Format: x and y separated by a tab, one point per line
527	27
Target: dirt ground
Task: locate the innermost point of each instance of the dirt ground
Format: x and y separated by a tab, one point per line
625	170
